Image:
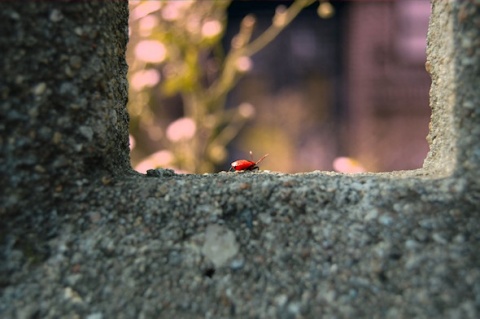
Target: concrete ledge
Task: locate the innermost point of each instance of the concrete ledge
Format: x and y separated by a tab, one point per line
311	245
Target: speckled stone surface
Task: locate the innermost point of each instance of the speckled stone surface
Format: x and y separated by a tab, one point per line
63	93
91	239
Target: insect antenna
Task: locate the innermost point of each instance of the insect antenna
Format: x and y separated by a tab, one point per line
261	159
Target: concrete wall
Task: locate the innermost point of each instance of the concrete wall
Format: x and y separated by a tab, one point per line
263	244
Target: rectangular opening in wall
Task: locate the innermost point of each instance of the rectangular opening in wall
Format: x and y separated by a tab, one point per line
347	91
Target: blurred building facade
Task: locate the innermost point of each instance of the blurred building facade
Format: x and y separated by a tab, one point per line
388	112
353	85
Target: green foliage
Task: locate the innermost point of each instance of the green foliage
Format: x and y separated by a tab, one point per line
176	49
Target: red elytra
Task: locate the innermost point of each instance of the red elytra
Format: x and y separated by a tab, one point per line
246	165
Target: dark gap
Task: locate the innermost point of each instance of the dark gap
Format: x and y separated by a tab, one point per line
209	272
382	276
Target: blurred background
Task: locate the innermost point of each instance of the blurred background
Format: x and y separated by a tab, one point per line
341	87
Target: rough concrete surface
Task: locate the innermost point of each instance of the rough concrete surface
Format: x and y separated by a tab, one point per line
288	246
88	241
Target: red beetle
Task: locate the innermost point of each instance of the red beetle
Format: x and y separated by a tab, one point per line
245	165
